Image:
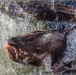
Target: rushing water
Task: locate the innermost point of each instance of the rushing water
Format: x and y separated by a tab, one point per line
12	26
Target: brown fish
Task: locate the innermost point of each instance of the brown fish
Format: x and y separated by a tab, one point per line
33	47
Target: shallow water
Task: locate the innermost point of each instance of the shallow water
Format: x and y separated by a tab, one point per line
12	26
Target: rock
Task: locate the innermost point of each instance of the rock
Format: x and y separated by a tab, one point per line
42	11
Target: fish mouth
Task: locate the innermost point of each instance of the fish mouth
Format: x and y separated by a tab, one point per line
16	54
13	53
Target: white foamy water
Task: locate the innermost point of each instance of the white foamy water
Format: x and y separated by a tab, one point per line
70	53
47	63
11	27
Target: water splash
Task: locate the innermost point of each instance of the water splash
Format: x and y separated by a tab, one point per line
11	27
